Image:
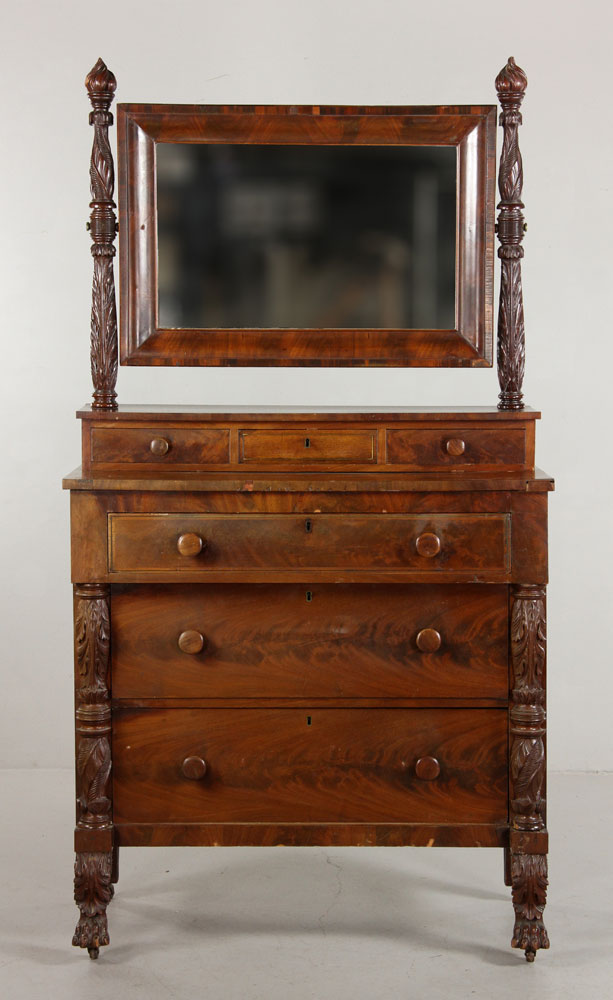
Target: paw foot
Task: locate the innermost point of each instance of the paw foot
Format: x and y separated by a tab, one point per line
530	935
91	933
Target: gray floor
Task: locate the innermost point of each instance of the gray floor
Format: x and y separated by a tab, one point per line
303	924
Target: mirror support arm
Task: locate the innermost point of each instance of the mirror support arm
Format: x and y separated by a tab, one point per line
511	85
100	84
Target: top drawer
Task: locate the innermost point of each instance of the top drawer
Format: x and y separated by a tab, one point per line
160	445
457	447
305	446
309	445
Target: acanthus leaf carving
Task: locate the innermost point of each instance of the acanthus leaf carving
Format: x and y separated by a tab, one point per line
101	84
93	891
93	713
511	85
529	892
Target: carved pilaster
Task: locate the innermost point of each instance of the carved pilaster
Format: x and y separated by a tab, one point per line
527	713
93	892
93	706
93	888
511	85
101	84
528	766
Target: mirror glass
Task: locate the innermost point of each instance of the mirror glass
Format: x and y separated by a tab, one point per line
306	236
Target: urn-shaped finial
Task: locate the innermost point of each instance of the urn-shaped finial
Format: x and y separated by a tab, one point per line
511	82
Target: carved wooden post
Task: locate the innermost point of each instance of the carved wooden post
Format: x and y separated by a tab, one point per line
511	85
101	84
528	835
94	830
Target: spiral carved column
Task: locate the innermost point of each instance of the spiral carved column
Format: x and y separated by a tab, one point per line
94	830
511	85
528	835
101	84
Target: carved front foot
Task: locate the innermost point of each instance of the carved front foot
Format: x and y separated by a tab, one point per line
93	892
529	889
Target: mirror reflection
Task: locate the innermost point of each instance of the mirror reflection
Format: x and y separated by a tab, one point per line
306	236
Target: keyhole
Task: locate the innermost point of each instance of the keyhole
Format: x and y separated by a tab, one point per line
309	596
307	442
308	526
308	720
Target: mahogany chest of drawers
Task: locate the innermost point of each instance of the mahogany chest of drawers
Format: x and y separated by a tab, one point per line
294	627
298	628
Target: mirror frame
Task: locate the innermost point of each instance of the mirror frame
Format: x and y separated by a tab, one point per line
471	129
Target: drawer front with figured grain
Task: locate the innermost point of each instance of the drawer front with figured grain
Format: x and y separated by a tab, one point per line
199	446
291	765
457	447
327	641
215	543
307	446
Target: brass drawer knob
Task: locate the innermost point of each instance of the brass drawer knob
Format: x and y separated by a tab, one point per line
159	446
193	768
190	544
427	768
428	545
455	447
428	640
191	641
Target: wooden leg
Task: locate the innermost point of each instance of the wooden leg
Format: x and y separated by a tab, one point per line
93	892
115	865
529	889
507	866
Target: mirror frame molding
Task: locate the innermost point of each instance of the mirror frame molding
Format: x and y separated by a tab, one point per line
471	129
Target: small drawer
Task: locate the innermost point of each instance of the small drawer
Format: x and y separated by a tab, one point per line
303	447
391	543
330	640
457	447
160	446
292	765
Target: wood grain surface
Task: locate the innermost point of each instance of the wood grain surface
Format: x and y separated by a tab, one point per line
323	765
142	543
322	641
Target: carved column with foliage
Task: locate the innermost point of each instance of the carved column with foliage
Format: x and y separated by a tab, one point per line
511	85
528	835
94	829
101	84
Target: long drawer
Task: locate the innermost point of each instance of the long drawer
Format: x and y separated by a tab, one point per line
297	766
325	641
205	543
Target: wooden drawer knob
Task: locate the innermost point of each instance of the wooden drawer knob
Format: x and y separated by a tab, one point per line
193	768
455	447
159	446
190	544
427	768
191	641
428	640
428	545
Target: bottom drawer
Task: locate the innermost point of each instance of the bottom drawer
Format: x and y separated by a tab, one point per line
293	765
